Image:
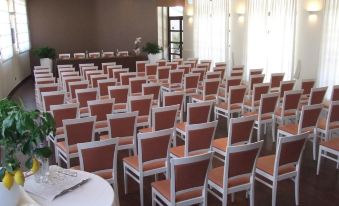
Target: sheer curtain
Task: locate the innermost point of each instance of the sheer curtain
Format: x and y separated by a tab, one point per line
211	29
328	72
21	24
257	34
281	37
6	48
270	36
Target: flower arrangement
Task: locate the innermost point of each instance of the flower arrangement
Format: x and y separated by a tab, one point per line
22	132
137	46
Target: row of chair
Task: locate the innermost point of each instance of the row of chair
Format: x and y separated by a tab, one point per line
92	55
198	117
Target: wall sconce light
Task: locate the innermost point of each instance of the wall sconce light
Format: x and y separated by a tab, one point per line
241	10
189	11
313	7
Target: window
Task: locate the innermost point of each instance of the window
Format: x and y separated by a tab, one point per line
270	36
6	48
329	56
211	29
175	31
21	25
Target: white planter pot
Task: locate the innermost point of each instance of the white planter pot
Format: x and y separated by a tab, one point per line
153	58
46	62
9	197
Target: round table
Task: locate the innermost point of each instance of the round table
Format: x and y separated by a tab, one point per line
96	191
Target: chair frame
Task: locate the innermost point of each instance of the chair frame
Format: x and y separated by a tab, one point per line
97	144
138	175
275	178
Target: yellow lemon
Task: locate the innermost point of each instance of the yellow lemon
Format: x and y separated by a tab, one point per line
19	177
35	165
8	180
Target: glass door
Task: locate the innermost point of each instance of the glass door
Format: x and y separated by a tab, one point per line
175	35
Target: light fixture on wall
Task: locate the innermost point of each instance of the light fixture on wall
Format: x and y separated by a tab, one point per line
313	7
241	13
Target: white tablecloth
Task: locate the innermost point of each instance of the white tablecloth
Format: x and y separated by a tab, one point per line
96	191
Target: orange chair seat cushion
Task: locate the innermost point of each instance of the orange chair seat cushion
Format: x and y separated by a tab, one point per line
104	174
322	124
142	119
119	106
220	144
266	164
83	110
178	151
59	131
181	126
164	188
248	102
263	117
332	144
145	130
216	175
72	148
278	112
200	97
224	106
122	140
133	162
101	124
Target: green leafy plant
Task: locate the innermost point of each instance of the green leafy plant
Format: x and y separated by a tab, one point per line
22	132
152	48
45	52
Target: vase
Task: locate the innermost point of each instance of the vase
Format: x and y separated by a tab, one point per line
153	58
46	62
41	176
9	197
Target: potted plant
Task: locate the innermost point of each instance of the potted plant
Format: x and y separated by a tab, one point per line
153	50
22	132
46	55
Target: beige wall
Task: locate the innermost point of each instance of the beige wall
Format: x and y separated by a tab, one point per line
80	25
13	71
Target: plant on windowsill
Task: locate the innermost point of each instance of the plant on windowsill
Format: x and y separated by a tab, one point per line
46	55
154	52
22	133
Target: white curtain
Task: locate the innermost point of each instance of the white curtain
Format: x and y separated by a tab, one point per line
211	29
21	23
329	57
257	34
270	36
6	48
281	37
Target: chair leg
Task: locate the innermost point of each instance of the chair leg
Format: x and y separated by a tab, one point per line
315	137
68	162
296	189
116	191
224	198
141	188
252	195
125	180
274	192
153	198
57	158
232	197
259	132
319	160
273	129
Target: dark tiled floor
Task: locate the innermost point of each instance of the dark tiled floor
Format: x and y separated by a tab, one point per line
314	190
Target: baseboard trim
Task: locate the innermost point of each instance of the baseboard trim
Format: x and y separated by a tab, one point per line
11	93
